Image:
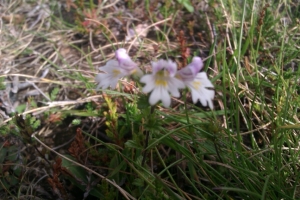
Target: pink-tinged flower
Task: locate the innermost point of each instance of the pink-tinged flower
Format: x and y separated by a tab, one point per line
161	82
126	63
197	82
116	69
191	70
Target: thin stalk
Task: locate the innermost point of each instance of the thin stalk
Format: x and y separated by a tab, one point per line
147	139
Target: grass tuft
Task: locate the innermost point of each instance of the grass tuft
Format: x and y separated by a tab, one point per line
62	138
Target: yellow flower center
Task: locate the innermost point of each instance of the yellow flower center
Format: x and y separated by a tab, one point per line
196	84
160	79
178	76
116	72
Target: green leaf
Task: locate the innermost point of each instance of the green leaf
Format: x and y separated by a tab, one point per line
54	93
116	166
143	102
76	122
3	152
138	182
80	174
187	4
2	85
133	144
21	108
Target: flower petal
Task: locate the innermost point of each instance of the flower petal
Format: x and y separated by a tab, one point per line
126	63
199	88
165	98
121	54
137	72
103	80
148	88
106	80
162	94
155	96
189	72
157	66
174	85
186	74
109	66
177	83
196	65
171	67
147	78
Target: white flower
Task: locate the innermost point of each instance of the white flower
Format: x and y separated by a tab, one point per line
197	82
199	90
113	73
161	82
116	69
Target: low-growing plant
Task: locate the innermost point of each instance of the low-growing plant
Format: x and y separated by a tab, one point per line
205	107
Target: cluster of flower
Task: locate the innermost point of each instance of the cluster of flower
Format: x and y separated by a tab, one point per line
165	79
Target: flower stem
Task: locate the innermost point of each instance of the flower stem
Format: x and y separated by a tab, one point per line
186	110
147	139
